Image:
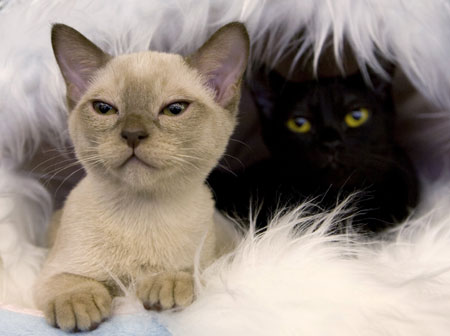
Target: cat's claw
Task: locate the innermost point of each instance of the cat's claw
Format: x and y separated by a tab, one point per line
166	290
79	310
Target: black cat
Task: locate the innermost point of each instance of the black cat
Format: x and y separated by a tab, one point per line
327	139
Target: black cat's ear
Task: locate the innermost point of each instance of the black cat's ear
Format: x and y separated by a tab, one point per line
379	84
222	61
382	86
266	87
78	59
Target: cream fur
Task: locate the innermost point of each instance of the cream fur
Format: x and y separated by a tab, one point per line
142	220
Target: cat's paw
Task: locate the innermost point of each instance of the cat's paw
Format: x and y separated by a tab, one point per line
79	309
166	290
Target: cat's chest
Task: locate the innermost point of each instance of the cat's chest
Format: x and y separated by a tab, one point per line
151	239
137	236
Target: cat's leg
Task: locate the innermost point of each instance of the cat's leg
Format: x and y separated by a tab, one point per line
72	302
166	290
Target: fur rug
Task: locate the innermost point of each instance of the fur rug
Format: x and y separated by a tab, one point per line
305	282
287	281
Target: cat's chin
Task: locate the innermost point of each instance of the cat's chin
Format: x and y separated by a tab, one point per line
132	172
136	163
138	173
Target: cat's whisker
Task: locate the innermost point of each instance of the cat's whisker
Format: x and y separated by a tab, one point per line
58	171
58	153
58	150
198	158
182	161
241	142
224	159
227	169
66	178
235	158
71	165
68	159
224	155
191	157
44	162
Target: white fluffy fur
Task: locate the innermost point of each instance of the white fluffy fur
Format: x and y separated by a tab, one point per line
279	284
306	282
310	283
24	210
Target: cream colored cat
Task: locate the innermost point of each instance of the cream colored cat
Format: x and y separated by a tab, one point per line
148	128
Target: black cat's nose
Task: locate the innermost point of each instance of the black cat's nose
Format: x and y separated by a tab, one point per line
331	138
133	137
332	144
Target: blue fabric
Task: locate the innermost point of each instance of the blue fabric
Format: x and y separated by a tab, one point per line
18	324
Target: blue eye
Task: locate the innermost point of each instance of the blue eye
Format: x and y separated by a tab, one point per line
175	109
103	108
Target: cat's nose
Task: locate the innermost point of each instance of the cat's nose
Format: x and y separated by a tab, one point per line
133	138
333	145
331	139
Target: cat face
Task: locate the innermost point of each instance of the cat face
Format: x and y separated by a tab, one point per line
335	128
150	119
142	90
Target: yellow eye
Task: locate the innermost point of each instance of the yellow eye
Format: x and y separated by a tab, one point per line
175	109
103	108
299	125
357	117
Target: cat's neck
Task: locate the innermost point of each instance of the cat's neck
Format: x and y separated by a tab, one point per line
118	191
170	211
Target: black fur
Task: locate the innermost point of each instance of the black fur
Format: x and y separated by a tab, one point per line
330	161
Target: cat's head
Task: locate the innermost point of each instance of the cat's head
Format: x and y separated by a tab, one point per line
152	119
334	127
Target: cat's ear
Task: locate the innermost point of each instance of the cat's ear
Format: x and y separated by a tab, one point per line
222	61
78	58
266	87
383	86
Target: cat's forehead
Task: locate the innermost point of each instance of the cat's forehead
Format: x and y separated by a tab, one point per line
147	77
147	63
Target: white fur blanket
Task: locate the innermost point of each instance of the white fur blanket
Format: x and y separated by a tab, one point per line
284	282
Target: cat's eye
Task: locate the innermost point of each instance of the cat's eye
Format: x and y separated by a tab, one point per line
357	117
103	108
175	109
299	125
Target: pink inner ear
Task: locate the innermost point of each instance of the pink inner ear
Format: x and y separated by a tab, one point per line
73	74
225	76
78	59
79	84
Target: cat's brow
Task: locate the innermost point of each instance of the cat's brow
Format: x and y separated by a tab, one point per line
178	97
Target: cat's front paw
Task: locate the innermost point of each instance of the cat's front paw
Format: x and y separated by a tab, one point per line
79	309
166	290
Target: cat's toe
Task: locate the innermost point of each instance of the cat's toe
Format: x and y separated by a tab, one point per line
79	311
167	290
184	289
86	312
63	314
166	294
147	292
49	313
